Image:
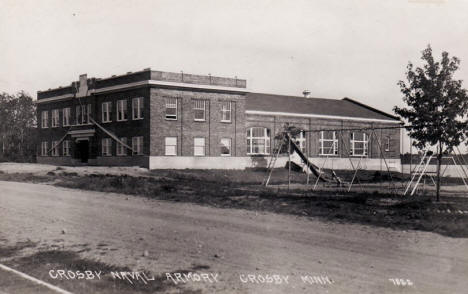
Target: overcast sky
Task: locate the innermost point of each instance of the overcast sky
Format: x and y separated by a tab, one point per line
334	48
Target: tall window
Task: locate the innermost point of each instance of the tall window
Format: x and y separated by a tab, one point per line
301	140
258	140
106	145
106	112
359	144
199	109
171	108
226	147
226	111
199	146
328	143
170	145
387	143
55	118
137	108
82	114
55	148
121	149
45	119
66	148
44	148
66	116
137	145
122	110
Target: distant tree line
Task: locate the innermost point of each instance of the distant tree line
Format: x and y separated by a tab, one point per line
18	138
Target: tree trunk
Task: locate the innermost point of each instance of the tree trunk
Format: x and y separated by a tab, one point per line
439	163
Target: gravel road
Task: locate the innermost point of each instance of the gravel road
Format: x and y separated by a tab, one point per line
162	237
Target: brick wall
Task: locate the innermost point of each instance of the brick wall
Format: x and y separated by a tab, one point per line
185	128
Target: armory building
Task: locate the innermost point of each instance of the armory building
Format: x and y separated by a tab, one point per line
162	120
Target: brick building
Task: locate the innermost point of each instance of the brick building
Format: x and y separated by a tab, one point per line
159	119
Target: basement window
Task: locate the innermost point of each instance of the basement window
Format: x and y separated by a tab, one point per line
171	108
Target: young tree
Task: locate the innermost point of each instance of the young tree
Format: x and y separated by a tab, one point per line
437	105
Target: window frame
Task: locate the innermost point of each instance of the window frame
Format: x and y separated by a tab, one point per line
45	119
120	104
365	142
139	109
106	110
224	111
195	146
44	148
169	105
66	113
106	149
55	151
223	145
66	148
121	149
55	118
250	139
166	145
387	144
199	108
138	143
323	148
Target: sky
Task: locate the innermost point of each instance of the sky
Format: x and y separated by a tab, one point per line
334	48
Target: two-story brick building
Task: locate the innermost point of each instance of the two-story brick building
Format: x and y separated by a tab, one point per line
159	119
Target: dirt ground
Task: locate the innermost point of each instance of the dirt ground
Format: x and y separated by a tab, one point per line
161	237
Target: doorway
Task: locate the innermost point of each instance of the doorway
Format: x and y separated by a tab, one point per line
82	150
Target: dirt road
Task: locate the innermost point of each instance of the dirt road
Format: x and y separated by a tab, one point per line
233	244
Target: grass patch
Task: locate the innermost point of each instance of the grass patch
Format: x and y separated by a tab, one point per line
8	251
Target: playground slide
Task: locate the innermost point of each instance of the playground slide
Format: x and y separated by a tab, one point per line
325	177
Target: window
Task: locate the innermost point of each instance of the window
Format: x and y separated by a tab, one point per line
359	142
137	108
328	143
44	148
82	114
106	147
170	145
137	145
66	148
301	140
199	146
199	110
121	149
122	110
55	148
171	108
106	112
226	111
45	119
66	116
258	140
387	143
225	147
55	118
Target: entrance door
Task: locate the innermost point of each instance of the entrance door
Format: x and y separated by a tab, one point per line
83	150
